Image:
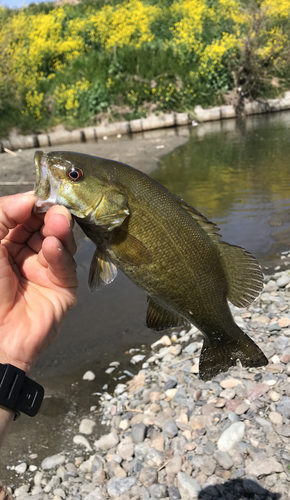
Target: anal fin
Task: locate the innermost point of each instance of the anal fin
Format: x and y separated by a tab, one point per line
216	359
159	318
102	271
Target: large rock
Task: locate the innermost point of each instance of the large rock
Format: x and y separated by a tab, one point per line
107	441
188	486
53	461
138	432
231	436
264	467
283	407
119	486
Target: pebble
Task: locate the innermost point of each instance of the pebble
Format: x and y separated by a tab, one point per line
188	485
81	440
138	432
107	441
231	436
223	459
89	375
230	383
284	322
53	461
264	467
86	426
119	486
170	429
283	281
242	408
283	406
275	418
21	468
148	476
125	450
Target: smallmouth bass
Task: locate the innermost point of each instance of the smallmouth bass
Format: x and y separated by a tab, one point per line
163	245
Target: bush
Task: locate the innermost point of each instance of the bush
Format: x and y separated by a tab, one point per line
71	63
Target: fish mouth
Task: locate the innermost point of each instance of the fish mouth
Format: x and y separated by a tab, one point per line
45	189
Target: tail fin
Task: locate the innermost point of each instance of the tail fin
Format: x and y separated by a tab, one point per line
216	359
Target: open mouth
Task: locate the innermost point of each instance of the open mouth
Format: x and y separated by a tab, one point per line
45	188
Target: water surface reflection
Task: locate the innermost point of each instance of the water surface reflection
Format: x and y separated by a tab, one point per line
237	174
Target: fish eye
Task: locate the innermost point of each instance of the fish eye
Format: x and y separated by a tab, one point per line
75	174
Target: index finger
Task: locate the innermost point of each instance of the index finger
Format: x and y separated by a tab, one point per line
16	221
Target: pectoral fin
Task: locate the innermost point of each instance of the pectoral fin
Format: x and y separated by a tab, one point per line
159	318
102	271
129	249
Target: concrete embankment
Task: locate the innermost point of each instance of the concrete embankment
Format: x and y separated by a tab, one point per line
101	132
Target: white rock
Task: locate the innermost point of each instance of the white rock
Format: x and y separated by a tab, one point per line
86	426
110	370
21	468
283	281
81	440
124	424
86	466
231	436
89	375
53	461
107	441
189	486
96	494
120	388
37	478
32	468
137	358
165	340
21	491
59	492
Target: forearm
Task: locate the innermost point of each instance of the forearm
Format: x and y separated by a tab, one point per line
6	418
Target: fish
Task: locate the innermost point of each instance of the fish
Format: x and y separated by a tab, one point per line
165	246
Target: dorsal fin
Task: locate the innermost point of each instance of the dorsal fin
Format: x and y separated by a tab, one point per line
243	273
159	318
209	227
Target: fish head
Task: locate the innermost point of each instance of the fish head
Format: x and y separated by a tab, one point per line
75	181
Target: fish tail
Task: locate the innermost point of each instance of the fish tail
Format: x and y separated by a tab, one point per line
215	359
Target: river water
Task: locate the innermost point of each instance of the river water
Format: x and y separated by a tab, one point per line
236	174
239	177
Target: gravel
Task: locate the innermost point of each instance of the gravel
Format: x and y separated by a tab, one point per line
171	435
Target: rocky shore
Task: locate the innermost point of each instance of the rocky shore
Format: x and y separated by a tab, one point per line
171	435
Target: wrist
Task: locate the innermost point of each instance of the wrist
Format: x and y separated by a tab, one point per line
7	360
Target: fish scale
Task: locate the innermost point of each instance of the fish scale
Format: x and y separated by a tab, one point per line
162	244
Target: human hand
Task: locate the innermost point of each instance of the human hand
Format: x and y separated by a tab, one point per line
38	283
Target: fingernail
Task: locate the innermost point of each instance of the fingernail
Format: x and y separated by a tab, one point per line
58	242
70	222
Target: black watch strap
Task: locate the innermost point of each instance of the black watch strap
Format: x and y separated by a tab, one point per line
18	392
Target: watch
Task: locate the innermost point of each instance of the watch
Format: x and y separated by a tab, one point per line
18	392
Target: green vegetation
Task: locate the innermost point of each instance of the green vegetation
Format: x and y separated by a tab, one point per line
77	64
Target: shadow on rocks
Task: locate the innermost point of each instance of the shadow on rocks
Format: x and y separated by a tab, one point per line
243	489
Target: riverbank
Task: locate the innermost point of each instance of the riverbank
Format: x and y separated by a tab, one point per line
168	434
153	122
